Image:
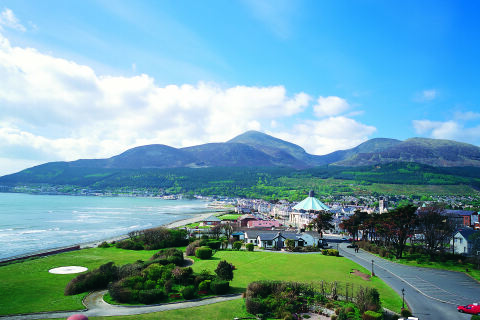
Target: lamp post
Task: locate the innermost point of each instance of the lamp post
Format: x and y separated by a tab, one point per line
403	298
373	273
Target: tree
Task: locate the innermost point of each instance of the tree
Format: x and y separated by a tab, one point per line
216	230
227	229
290	244
225	270
322	222
436	227
400	224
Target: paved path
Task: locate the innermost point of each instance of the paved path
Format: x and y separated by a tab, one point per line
431	293
97	307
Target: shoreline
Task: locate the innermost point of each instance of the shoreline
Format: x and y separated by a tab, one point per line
95	243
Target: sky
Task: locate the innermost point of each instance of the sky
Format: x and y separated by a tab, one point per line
91	79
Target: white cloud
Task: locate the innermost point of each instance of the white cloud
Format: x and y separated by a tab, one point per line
330	106
55	109
9	20
452	130
328	135
467	116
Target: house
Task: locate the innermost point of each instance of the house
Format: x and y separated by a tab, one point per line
462	243
243	220
463	218
263	224
210	221
277	240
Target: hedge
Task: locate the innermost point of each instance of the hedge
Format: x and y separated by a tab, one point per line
203	253
220	286
372	315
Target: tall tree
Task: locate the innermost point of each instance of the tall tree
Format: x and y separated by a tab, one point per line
436	227
323	221
401	223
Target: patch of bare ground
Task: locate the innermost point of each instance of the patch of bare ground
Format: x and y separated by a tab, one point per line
362	275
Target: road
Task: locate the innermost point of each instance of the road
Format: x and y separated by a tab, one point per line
430	293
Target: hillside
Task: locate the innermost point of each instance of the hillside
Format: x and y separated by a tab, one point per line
250	156
434	152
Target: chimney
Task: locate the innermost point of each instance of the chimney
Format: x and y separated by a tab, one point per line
311	194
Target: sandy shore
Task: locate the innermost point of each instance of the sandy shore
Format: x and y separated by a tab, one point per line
174	224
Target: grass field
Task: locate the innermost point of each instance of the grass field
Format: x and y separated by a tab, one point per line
28	287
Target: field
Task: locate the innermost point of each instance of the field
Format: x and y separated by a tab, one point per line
28	287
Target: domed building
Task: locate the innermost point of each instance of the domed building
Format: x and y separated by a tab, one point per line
304	211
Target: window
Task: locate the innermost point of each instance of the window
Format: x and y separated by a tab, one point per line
269	242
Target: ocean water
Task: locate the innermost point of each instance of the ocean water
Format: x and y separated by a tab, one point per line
30	223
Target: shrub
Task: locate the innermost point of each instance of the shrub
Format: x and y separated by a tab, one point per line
475	317
204	285
249	246
255	305
237	245
333	317
203	253
188	292
151	296
214	244
372	315
224	270
219	286
167	256
182	275
104	244
92	280
168	286
405	313
368	299
330	252
190	250
119	293
129	244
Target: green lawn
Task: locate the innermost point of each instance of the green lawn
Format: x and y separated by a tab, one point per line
230	216
252	266
28	287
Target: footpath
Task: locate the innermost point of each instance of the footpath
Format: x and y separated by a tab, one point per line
97	307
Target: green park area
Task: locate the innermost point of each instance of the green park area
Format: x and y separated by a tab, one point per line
28	287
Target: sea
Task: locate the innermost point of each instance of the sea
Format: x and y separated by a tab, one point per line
32	223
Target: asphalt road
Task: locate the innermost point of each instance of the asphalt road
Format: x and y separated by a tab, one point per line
430	293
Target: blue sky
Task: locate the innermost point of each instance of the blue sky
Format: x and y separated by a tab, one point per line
86	79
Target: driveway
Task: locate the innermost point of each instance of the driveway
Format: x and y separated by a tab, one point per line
432	294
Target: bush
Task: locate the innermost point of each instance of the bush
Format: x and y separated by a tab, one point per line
151	296
330	252
190	250
475	317
224	270
182	275
167	256
372	315
204	285
255	305
237	245
249	246
104	244
219	286
189	292
214	244
119	293
405	313
368	299
92	280
203	253
129	244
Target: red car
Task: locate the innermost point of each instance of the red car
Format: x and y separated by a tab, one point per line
471	308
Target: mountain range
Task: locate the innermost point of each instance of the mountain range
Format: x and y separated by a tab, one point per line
256	149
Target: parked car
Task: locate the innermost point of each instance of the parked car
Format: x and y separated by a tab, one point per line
471	308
